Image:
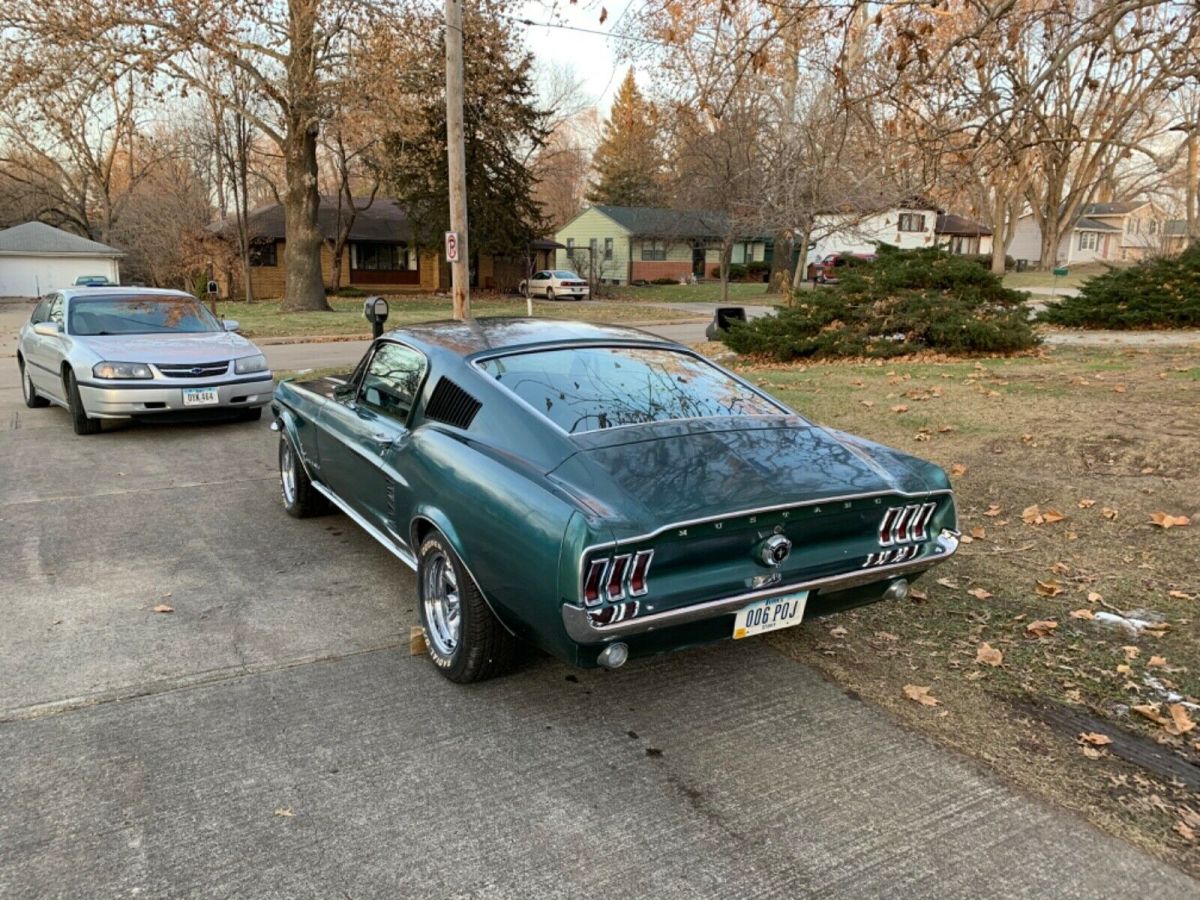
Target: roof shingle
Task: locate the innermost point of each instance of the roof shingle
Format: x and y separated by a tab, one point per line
38	237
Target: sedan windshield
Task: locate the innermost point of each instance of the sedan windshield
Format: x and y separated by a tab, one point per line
139	315
591	388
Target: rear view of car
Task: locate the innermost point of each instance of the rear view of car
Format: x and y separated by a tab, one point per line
116	353
829	268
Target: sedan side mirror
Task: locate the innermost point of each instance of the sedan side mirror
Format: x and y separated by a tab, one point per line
47	328
231	324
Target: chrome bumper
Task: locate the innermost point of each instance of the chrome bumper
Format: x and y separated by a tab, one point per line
581	629
124	400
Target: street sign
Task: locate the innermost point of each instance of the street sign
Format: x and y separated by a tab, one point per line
451	246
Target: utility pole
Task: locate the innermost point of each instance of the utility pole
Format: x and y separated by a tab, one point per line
459	267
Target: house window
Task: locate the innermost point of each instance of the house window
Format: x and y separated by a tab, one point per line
1088	240
1153	226
608	248
382	258
1129	225
654	250
912	222
262	254
570	244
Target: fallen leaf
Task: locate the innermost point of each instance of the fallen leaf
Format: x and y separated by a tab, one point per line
992	510
1123	669
979	532
900	408
1051	588
867	403
1086	504
1148	470
988	654
1119	388
920	695
1185	831
1181	722
1040	628
887	636
1150	711
917	594
163	608
948	583
1091	752
945	429
979	593
1164	520
1060	568
1052	515
1179	595
1131	652
1082	614
285	811
839	631
1094	597
1095	738
1156	662
958	470
1031	515
1110	514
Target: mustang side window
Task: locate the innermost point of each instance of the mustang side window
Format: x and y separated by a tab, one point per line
390	384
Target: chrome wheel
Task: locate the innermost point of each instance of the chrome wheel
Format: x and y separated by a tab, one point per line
287	471
442	610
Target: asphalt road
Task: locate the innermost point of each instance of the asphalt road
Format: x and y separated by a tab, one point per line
273	736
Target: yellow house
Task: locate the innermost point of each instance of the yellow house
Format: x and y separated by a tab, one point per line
380	256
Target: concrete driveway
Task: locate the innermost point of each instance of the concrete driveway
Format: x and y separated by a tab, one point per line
272	737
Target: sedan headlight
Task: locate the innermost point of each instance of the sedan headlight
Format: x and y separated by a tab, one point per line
250	364
121	370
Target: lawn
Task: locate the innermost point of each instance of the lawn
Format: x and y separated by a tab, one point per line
1076	275
264	320
1108	440
704	292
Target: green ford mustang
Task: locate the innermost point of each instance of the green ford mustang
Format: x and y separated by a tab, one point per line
600	492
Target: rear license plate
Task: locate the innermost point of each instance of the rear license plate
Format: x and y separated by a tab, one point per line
770	615
200	397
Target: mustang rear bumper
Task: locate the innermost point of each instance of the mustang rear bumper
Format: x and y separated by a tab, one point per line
582	630
123	400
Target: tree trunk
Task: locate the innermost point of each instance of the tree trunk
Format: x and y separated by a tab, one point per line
1051	238
726	253
335	277
305	287
781	262
999	230
801	273
1193	185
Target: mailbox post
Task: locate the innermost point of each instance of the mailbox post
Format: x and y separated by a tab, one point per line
375	310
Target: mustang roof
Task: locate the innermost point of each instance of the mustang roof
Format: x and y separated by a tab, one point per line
499	333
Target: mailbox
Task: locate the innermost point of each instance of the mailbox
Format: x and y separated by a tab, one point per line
375	310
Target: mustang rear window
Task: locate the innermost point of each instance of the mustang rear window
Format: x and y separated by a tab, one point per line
591	388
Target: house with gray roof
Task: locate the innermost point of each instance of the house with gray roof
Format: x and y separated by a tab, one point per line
36	258
1114	231
620	244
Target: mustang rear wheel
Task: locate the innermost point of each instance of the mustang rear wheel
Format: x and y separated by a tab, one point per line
32	398
465	641
300	498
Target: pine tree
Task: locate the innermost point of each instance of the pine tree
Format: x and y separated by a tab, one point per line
629	160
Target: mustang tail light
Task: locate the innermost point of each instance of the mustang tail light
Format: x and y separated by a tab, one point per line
612	578
904	524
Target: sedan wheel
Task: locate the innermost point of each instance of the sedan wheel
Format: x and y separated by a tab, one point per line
32	399
465	641
80	420
549	293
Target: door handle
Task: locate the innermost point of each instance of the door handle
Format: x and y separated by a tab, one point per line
381	437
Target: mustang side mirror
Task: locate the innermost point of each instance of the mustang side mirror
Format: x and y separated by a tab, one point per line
46	328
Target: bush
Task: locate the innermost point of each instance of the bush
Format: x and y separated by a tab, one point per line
908	301
665	281
985	260
1158	293
348	292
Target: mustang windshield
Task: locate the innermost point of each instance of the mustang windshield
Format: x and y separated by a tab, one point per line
139	315
590	388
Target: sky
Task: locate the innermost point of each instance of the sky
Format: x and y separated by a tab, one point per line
593	57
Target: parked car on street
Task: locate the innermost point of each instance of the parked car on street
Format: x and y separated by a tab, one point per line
94	281
600	492
554	284
828	269
119	353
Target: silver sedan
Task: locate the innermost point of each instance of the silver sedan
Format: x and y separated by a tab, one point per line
118	353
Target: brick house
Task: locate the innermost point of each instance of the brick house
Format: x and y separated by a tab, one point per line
381	255
638	243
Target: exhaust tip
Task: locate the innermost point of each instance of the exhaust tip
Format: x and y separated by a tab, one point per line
897	590
614	655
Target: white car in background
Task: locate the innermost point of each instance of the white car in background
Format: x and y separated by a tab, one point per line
120	353
554	284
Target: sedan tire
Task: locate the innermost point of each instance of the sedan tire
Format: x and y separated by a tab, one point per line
300	498
32	398
465	641
80	420
549	293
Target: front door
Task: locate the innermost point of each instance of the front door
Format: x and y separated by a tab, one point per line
47	352
698	260
362	425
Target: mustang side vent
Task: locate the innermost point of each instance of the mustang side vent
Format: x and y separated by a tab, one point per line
451	404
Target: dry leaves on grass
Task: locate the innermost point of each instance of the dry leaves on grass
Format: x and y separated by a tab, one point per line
1179	595
1082	614
1110	514
899	408
1040	628
1086	504
1165	520
284	812
1181	722
979	532
980	593
993	510
957	470
1051	588
920	694
988	655
163	608
1034	515
1156	662
1095	738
